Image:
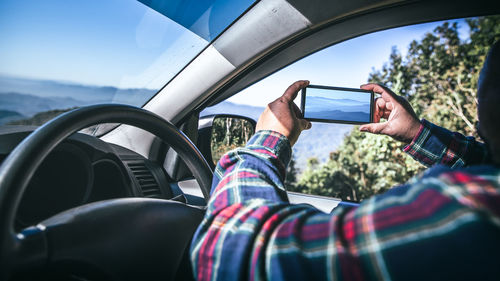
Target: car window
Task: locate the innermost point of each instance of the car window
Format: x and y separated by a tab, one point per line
57	55
434	65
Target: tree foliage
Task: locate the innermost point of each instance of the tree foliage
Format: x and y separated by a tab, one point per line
229	133
438	76
40	118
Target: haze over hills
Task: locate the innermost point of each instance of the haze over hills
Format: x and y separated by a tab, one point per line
319	141
7	116
29	105
318	104
357	116
337	109
234	108
79	93
21	99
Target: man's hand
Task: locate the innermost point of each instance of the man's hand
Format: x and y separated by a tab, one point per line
402	122
283	116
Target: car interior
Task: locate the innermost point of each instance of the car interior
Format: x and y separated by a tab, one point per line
123	204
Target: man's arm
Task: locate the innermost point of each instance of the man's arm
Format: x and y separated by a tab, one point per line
247	197
427	143
424	232
250	231
436	145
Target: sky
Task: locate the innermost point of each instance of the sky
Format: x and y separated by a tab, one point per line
347	64
120	43
124	44
336	94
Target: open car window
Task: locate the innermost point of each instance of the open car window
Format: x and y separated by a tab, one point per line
434	65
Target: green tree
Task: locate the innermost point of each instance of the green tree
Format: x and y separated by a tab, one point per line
291	175
439	77
228	133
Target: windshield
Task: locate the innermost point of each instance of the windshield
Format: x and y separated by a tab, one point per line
58	55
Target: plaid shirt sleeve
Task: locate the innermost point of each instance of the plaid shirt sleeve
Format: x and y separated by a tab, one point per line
436	145
438	228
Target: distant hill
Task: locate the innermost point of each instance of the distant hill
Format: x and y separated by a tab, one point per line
318	104
336	101
8	116
340	115
27	97
39	118
233	108
89	94
29	105
319	141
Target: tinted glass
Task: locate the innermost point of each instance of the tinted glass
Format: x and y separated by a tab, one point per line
56	55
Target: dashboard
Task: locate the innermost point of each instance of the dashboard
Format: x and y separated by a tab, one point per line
80	170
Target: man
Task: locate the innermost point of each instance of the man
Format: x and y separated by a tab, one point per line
442	225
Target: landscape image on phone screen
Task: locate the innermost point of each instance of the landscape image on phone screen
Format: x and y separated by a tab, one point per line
337	105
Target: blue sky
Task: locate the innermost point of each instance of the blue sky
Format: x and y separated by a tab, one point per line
123	43
346	64
336	94
207	18
119	43
112	42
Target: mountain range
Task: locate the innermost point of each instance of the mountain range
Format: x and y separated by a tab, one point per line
318	104
80	93
22	98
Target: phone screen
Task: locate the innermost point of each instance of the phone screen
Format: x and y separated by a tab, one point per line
337	105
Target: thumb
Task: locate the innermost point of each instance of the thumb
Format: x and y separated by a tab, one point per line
304	124
374	128
385	92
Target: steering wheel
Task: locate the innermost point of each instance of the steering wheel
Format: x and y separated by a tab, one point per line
118	239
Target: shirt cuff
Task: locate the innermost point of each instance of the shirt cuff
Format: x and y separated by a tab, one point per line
416	148
271	142
419	138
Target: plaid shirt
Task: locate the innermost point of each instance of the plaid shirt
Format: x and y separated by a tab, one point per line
443	225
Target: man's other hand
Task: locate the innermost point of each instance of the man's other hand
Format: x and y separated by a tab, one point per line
283	116
402	122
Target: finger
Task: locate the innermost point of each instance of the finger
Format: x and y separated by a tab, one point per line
377	115
389	106
386	93
380	105
296	110
304	124
291	93
374	128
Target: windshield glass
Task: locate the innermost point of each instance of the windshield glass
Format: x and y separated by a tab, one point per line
56	55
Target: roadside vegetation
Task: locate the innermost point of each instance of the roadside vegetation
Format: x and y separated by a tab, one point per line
438	76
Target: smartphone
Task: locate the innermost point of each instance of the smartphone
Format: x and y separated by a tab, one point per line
337	105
